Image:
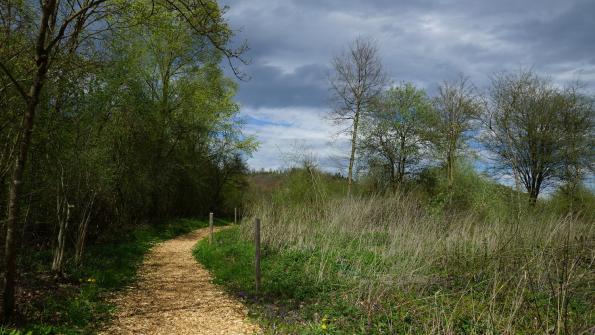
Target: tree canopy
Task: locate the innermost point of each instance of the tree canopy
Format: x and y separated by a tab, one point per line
114	113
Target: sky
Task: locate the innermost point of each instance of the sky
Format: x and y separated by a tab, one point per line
286	99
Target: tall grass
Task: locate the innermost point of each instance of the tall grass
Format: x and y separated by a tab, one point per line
514	272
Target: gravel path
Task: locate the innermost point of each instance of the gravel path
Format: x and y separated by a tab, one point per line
174	295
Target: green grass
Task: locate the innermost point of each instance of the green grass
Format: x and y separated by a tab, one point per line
291	300
81	307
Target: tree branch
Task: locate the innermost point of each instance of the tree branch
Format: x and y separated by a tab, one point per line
14	81
68	20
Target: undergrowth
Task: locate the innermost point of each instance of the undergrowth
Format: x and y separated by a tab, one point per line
289	301
76	303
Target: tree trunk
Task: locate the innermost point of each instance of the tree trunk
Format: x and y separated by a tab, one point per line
14	208
450	169
14	195
82	232
63	223
352	156
533	194
393	179
402	160
80	241
401	171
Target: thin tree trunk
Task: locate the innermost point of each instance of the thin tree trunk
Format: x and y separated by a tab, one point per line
82	232
352	156
533	194
14	195
450	169
393	182
80	241
63	223
12	237
402	160
63	216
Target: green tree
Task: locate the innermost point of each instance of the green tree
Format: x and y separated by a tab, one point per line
40	43
540	133
393	131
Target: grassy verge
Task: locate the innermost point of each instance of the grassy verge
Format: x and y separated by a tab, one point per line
76	304
290	301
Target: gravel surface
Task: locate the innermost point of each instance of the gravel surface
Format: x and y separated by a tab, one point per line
174	295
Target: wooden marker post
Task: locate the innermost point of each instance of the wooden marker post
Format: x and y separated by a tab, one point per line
257	255
235	215
210	228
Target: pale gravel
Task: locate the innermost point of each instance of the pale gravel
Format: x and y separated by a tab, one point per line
174	295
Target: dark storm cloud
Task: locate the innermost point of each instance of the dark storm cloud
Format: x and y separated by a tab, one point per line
569	36
269	86
424	42
421	41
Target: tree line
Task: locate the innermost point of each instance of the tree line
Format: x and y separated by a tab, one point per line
535	132
113	112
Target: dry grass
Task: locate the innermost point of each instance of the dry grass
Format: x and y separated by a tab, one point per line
523	272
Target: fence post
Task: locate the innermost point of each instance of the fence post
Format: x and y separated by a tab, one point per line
257	255
210	228
235	215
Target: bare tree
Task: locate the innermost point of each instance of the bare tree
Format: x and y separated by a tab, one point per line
358	78
539	132
454	110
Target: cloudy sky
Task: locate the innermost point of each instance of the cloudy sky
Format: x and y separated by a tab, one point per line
424	42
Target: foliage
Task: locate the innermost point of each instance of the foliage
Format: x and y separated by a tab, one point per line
299	184
455	108
135	123
393	134
573	200
538	132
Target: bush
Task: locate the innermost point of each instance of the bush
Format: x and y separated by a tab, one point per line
577	201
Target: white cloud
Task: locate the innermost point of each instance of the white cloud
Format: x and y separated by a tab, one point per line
281	131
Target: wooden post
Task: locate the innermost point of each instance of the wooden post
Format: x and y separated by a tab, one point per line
210	228
257	255
235	215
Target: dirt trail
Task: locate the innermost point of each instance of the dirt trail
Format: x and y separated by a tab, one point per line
174	295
